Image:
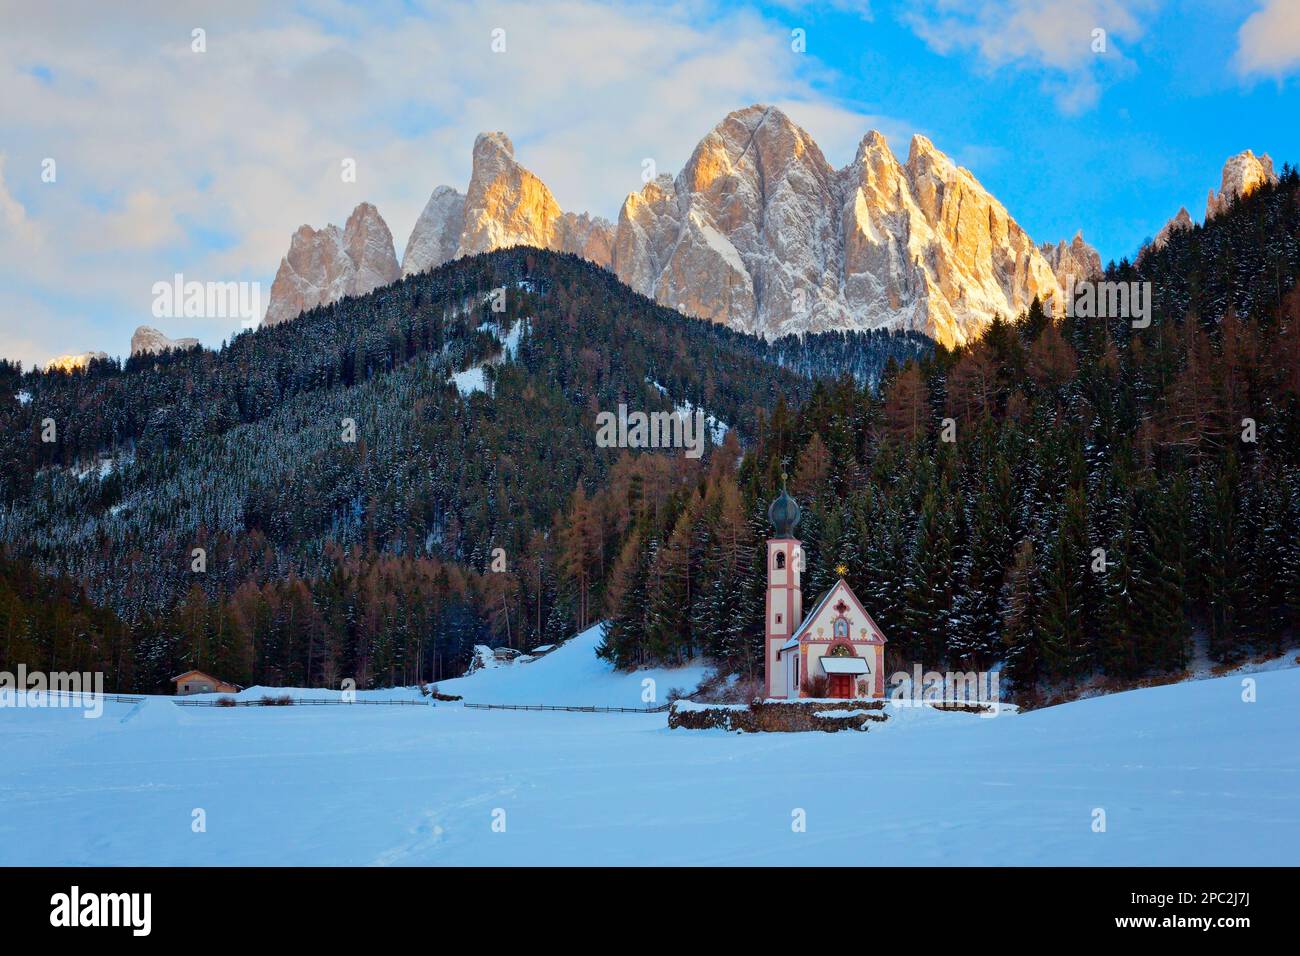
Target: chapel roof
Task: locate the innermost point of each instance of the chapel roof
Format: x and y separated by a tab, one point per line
811	616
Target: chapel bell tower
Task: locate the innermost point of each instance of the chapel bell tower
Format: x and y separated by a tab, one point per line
784	599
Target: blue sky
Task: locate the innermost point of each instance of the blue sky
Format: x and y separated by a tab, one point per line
1159	111
173	161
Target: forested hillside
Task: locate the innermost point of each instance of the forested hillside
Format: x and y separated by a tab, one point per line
1070	499
347	498
1174	449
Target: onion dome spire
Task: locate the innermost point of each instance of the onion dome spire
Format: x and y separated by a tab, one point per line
784	512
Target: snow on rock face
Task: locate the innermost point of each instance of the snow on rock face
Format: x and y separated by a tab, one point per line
437	232
1242	175
149	341
761	233
746	235
1078	259
327	264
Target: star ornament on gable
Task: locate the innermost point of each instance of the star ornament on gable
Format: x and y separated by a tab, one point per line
842	570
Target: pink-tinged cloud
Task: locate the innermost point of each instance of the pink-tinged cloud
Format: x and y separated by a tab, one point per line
1268	43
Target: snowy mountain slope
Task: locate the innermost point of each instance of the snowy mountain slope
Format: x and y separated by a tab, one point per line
1186	774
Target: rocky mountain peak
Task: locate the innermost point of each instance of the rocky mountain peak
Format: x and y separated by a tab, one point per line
71	363
488	145
1242	175
1181	221
506	204
147	340
757	231
1076	261
921	150
369	246
874	151
749	235
760	232
437	232
324	265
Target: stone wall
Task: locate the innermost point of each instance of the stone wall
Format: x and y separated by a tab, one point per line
778	716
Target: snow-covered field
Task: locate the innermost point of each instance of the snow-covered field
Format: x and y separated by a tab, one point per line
571	675
1185	774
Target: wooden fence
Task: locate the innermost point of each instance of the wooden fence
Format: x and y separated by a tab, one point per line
300	702
84	695
323	702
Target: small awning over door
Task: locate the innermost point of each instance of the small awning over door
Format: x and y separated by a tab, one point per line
845	665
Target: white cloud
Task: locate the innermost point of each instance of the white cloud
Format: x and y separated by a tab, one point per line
15	216
1268	43
204	163
142	221
1055	37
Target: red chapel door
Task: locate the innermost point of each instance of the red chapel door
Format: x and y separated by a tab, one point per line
841	685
